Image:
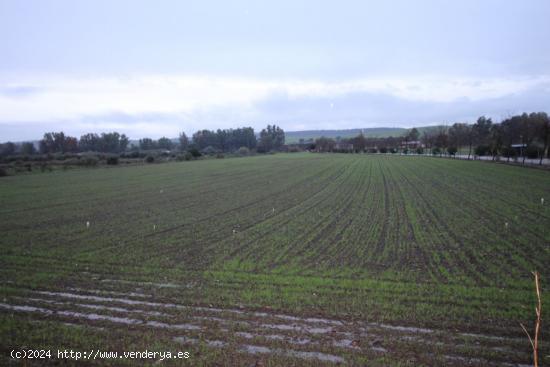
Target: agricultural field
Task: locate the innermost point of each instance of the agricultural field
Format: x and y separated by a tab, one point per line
278	260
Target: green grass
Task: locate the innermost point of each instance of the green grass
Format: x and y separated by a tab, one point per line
406	240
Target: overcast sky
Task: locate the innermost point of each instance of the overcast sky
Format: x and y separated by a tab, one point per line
154	68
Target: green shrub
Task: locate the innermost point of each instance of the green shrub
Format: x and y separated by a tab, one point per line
88	161
3	172
188	156
132	154
243	151
149	159
44	167
72	162
210	150
195	152
419	150
112	160
481	150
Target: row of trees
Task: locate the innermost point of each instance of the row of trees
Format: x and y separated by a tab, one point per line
525	135
230	140
10	148
225	140
58	142
150	144
106	142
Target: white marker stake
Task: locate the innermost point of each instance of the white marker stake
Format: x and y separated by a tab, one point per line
87	224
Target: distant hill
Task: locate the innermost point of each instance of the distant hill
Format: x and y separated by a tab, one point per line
373	132
295	136
292	137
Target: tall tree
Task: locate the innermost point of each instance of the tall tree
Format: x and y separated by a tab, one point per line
205	138
359	142
413	134
184	141
28	148
543	133
271	138
147	144
482	131
496	140
58	143
7	149
89	143
164	143
324	144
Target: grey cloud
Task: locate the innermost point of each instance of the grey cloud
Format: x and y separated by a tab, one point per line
377	109
126	118
353	110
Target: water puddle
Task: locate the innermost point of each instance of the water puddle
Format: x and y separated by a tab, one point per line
164	325
346	343
25	308
466	360
408	329
91	316
209	318
307	329
158	285
490	337
97	317
96	307
256	349
120	309
315	355
216	343
295	341
310	320
111	299
98	291
210	343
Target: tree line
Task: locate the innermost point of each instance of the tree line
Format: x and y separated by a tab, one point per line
271	138
525	135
